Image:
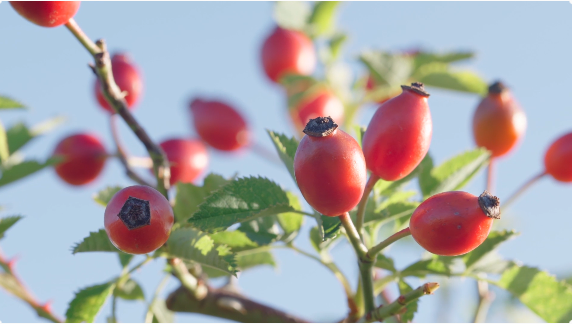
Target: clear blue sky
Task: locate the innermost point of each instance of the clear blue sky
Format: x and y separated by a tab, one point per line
212	49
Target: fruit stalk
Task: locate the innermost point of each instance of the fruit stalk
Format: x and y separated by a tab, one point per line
116	100
523	188
400	303
363	202
122	155
382	245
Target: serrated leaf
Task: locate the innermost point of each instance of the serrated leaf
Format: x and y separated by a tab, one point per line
4	151
387	68
250	260
411	307
160	312
125	259
236	240
95	242
454	173
439	75
8	103
263	230
336	43
331	226
321	20
189	196
191	244
423	58
87	303
492	263
129	290
384	262
291	222
317	241
400	210
18	171
436	265
489	245
540	291
286	148
104	196
292	14
19	134
239	201
7	222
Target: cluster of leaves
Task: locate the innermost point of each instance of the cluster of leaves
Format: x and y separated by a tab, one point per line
13	166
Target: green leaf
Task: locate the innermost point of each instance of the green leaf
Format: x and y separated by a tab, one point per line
384	262
291	14
453	174
410	308
7	222
191	244
336	43
19	134
104	196
95	242
125	259
286	148
424	58
263	230
236	240
160	312
398	209
291	222
250	260
330	226
190	196
318	243
440	76
87	303
388	188
489	245
388	69
18	171
7	103
4	152
436	265
321	20
129	290
541	292
239	201
492	263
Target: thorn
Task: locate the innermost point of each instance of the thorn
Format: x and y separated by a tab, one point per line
47	307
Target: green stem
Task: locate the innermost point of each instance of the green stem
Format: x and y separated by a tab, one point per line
189	282
139	265
485	300
366	275
363	202
394	308
89	45
379	247
160	287
353	236
522	189
490	175
114	308
303	213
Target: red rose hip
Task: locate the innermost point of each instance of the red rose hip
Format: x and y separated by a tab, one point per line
455	222
287	51
46	13
127	78
83	158
219	125
499	122
558	159
329	168
138	219
399	133
322	103
188	159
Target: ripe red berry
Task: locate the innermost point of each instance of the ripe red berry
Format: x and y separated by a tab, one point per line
287	51
322	103
83	158
399	133
499	122
558	159
455	222
46	13
126	77
219	125
329	168
188	159
138	219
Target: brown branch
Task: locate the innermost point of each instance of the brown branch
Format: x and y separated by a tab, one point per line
227	304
